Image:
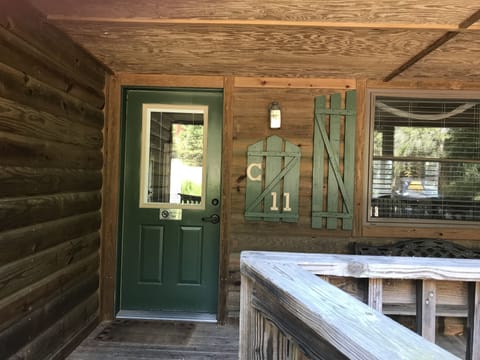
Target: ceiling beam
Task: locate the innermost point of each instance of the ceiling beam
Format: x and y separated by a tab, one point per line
464	25
240	22
472	19
413	60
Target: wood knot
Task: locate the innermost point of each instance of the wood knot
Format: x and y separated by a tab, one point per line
9	25
356	268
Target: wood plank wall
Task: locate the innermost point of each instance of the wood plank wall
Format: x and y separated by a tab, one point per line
51	123
245	122
250	125
251	99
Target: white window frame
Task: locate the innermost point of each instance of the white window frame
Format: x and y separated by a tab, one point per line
147	110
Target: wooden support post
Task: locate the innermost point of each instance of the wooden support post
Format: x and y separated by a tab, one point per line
226	201
247	319
375	294
426	312
473	321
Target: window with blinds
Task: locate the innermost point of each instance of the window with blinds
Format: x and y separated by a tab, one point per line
425	159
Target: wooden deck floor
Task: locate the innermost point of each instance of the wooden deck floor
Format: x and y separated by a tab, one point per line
141	340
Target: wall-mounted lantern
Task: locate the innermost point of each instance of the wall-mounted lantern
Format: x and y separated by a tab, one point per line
275	115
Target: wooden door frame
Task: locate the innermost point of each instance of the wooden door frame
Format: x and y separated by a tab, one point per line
111	177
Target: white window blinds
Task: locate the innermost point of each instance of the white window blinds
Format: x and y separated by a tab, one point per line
425	159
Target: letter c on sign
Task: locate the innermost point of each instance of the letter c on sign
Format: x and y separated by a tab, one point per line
249	172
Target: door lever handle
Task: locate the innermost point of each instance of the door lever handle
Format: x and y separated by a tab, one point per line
214	219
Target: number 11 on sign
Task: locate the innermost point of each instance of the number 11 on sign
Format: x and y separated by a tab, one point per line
274	206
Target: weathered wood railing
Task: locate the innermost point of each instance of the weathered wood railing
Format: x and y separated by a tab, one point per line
288	312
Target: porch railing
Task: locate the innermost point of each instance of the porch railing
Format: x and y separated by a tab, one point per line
288	312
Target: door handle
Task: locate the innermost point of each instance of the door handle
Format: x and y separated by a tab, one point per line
214	219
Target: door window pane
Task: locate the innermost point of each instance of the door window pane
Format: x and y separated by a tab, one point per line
173	161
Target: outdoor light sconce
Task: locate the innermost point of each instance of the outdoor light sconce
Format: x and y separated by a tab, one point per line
275	115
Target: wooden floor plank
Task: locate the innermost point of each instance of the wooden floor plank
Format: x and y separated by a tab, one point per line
138	339
146	340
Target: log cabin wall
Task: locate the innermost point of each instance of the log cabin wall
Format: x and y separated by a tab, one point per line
51	122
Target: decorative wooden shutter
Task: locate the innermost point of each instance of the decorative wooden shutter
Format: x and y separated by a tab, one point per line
273	174
334	161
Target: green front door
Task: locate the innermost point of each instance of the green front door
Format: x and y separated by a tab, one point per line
170	203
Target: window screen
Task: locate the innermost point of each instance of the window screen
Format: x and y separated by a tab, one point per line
425	159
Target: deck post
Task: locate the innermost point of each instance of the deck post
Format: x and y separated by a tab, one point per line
426	308
247	320
375	294
473	321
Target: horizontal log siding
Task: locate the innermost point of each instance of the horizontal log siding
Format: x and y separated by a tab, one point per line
51	122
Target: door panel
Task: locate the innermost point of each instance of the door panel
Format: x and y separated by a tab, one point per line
190	262
171	189
151	254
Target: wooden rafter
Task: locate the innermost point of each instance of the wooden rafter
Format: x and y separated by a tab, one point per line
472	19
466	24
256	22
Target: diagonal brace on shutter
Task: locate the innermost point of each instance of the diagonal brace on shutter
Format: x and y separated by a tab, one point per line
334	161
274	182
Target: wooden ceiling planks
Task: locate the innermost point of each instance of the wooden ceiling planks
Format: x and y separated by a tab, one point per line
282	38
248	50
367	11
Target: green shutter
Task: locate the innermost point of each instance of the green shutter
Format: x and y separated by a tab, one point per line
273	174
329	139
